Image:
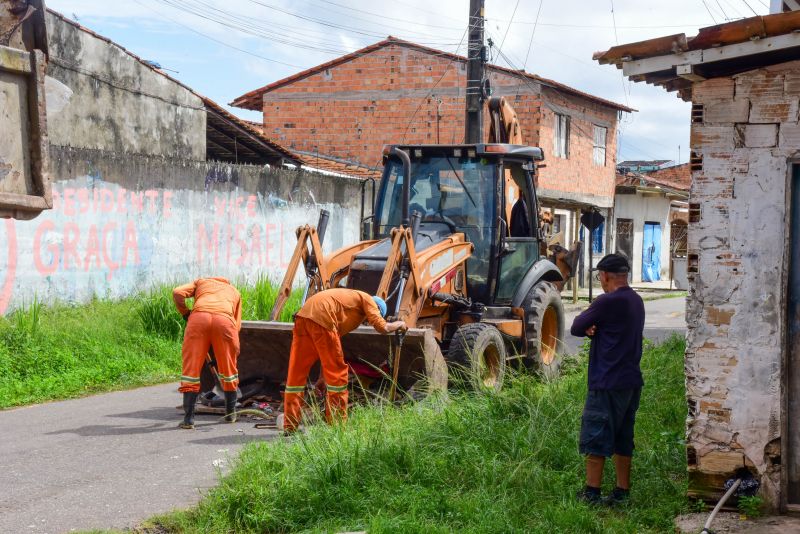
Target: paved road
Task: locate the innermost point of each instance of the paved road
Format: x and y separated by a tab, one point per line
107	461
663	318
113	460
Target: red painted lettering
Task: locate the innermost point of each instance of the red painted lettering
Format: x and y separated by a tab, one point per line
45	269
107	200
130	244
137	201
92	249
268	245
255	244
167	204
121	194
237	231
110	263
69	202
209	244
151	195
83	200
72	234
251	205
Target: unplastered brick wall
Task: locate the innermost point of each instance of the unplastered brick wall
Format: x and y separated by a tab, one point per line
384	97
744	130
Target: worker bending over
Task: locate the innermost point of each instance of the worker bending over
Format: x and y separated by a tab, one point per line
318	327
214	321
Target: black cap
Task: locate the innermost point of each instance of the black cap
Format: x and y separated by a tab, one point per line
614	263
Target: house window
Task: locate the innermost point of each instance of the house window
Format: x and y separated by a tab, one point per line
599	153
597	239
561	136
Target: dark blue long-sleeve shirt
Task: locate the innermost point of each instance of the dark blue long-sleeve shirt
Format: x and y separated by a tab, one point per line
617	345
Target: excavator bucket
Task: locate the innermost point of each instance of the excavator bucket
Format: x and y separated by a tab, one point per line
265	347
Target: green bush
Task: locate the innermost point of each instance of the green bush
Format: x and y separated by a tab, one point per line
505	462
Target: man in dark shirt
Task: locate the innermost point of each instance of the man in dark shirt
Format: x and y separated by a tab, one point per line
614	322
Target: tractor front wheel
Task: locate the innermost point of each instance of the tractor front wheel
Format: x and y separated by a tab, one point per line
544	329
477	356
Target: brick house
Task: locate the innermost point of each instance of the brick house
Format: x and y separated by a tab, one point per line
742	347
397	91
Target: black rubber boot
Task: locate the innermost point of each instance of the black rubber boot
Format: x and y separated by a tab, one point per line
230	406
189	402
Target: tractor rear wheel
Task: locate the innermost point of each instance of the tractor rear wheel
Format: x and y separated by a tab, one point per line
477	356
544	329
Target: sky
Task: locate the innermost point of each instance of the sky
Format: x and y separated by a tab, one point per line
225	48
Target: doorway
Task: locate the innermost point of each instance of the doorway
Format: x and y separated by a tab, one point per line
625	238
651	252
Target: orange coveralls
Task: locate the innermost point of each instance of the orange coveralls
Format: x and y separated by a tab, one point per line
320	323
215	322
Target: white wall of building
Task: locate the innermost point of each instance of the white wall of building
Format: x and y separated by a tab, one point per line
643	208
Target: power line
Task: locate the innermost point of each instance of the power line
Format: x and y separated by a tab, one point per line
216	40
709	11
508	27
616	39
722	10
533	32
383	16
749	6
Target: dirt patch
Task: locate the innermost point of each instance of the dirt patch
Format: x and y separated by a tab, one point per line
730	522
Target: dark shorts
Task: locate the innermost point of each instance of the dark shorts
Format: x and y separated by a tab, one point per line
607	423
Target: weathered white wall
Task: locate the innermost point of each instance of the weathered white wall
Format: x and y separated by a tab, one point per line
736	250
645	208
123	225
100	97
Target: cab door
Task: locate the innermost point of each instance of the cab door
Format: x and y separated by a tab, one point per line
519	246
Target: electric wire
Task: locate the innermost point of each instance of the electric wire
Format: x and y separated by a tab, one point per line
223	43
616	39
709	11
725	15
750	7
513	13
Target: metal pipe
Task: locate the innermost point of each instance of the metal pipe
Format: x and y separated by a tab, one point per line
322	225
404	157
416	219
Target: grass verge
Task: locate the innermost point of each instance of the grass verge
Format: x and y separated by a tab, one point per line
505	462
59	352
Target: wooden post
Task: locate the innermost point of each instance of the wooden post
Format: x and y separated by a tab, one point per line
575	235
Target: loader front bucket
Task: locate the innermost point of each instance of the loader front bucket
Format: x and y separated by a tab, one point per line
265	347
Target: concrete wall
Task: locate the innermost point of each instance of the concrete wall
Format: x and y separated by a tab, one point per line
122	224
735	313
353	109
645	208
101	97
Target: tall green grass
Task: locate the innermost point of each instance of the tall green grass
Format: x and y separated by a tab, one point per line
60	351
504	462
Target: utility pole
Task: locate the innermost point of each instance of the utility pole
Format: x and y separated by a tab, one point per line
476	58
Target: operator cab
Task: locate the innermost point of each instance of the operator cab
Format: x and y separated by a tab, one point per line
486	191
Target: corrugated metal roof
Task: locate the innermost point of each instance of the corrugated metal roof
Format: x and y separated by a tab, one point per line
253	99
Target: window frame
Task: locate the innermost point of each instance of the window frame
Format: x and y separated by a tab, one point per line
561	129
596	147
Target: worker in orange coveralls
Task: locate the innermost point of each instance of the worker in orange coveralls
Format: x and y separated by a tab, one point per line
318	327
214	321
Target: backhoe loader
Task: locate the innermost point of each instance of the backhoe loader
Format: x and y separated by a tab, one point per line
456	247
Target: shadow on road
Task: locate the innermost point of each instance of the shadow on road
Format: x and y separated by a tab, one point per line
237	439
116	430
165	413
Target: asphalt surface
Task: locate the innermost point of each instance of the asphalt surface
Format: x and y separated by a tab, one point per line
114	460
108	461
663	317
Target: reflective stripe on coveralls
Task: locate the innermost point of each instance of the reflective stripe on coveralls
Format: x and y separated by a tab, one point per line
312	342
205	330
